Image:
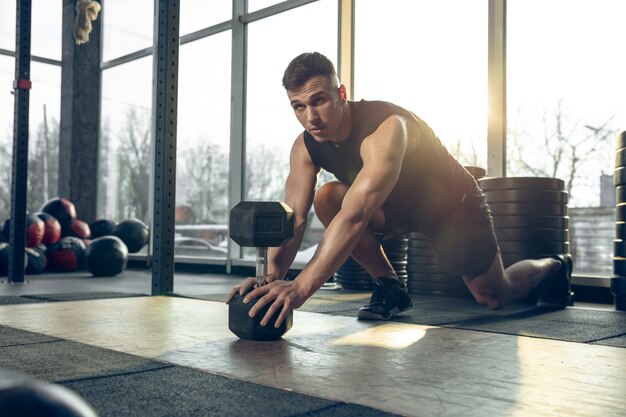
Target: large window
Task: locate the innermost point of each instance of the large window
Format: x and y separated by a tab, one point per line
271	126
431	58
125	155
199	14
565	84
128	27
46	28
7	25
203	147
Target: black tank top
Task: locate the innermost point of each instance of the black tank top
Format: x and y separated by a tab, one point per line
431	184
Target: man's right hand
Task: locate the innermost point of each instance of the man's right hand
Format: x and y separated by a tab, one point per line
248	285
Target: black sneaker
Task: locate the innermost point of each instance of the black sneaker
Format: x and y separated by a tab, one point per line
389	298
555	291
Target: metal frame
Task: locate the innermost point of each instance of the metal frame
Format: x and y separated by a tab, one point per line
236	173
19	181
496	123
164	116
33	58
345	49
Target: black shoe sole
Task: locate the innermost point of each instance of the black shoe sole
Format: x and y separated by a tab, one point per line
365	314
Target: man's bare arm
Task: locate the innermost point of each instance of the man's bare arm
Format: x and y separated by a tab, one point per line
382	153
299	193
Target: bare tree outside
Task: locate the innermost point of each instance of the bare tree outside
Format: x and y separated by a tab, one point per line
202	182
40	165
133	159
566	149
266	172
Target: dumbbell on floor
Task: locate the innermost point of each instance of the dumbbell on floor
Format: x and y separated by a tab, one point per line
259	224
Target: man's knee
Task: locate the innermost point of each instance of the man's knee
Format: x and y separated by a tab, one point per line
488	288
327	200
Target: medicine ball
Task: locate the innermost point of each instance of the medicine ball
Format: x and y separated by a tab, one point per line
37	261
52	228
26	397
67	254
35	229
4	259
102	227
106	256
62	209
134	233
78	228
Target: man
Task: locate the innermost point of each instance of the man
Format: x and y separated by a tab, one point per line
394	177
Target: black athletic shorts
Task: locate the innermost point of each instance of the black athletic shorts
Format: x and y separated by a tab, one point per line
464	241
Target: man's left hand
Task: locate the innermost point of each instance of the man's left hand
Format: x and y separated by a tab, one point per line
283	295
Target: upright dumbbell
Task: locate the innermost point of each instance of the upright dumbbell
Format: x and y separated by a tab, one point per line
259	224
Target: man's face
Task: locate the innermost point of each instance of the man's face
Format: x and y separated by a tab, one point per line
318	105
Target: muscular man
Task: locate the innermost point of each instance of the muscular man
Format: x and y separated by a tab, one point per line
394	176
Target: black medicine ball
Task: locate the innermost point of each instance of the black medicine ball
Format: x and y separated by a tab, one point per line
106	256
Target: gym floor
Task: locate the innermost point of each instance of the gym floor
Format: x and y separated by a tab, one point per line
128	353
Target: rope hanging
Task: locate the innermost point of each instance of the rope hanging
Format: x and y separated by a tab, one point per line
87	11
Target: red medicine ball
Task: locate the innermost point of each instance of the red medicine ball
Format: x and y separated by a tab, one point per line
52	232
67	254
79	229
34	230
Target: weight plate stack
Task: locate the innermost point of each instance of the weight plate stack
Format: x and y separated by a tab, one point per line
425	277
618	281
396	250
477	172
352	276
530	216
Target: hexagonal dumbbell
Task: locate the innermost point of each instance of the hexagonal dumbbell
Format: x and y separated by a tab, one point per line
259	224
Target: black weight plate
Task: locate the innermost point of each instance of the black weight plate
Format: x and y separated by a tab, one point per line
425	252
554	235
530	196
620	212
619	177
397	257
476	172
421	260
619	248
516	247
521	183
620	230
548	222
414	243
618	285
620	157
619	266
621	140
620	194
528	209
620	303
424	269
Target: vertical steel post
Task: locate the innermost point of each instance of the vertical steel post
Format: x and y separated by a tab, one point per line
236	172
496	127
346	45
19	181
164	125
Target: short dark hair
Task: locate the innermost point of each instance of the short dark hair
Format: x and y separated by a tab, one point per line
308	65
